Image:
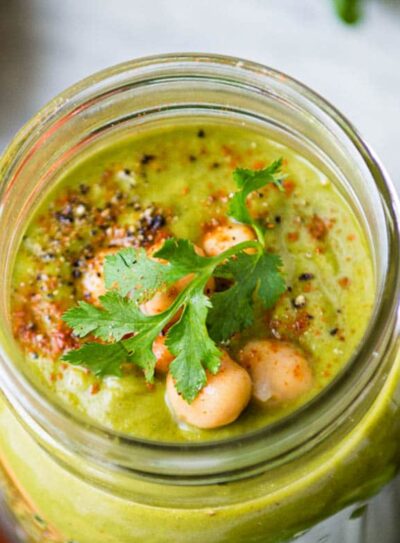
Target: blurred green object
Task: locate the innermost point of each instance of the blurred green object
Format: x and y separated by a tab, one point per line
348	10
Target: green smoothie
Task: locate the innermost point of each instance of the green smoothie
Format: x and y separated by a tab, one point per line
138	192
176	182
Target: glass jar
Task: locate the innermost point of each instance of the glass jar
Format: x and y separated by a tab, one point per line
67	480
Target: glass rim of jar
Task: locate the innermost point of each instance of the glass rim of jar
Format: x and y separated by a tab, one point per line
249	453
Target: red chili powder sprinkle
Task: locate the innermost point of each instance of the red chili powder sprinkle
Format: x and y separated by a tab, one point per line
293	236
344	282
289	186
95	388
258	164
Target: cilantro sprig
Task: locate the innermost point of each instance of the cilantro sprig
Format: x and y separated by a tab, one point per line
249	181
132	277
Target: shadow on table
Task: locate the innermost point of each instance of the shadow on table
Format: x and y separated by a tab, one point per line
17	65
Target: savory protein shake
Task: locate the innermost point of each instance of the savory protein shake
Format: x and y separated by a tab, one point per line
194	337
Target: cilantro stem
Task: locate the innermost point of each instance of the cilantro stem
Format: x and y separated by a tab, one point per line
259	233
235	250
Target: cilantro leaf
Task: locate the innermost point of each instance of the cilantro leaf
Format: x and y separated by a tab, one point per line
118	317
195	352
140	346
131	271
230	313
182	256
271	284
101	359
254	275
248	181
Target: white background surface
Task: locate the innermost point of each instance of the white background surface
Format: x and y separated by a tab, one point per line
46	45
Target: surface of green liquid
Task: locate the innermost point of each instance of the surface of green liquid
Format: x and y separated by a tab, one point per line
185	172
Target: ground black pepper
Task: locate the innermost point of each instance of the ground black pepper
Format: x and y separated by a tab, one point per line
83	189
306	277
156	222
146	159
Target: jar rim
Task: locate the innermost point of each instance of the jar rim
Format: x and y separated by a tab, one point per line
180	459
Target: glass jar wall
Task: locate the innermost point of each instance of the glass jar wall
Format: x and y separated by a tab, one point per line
68	480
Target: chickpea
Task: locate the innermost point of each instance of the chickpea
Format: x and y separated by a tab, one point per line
163	355
224	237
220	402
279	370
92	280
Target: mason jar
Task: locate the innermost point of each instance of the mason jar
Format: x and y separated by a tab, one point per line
310	475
